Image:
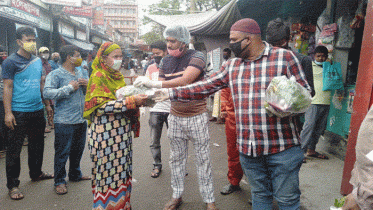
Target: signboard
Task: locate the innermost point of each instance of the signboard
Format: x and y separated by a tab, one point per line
19	15
81	12
5	3
98	16
71	3
26	6
65	29
39	3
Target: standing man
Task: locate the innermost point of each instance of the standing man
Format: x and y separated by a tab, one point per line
44	56
24	115
54	62
235	172
317	114
67	86
159	113
270	152
187	120
3	128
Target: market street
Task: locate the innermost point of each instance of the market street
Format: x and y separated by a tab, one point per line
319	180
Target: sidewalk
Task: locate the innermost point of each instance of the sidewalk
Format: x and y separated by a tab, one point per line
320	180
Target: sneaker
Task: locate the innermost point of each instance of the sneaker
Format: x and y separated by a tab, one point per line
228	189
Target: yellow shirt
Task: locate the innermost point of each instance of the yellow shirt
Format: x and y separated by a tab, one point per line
321	97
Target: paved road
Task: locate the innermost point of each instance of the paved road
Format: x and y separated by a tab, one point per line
148	193
319	180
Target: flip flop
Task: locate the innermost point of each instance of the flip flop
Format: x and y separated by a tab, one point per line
81	179
15	191
155	172
60	189
318	155
43	176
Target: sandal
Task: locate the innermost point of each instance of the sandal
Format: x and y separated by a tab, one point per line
81	179
60	189
15	194
173	204
43	176
318	155
156	172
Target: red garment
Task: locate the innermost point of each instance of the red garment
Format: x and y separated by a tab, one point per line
235	172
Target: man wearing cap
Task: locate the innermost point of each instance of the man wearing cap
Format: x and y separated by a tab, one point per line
44	56
187	120
270	152
55	58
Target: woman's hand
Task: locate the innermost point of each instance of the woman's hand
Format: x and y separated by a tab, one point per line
140	99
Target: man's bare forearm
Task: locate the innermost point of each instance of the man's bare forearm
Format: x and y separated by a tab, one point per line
7	98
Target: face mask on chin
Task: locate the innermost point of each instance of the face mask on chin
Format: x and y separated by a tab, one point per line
56	59
319	63
236	48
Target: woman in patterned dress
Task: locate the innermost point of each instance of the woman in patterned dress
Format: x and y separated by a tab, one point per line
110	137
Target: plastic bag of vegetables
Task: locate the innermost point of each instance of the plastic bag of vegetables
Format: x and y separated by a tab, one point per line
131	90
285	97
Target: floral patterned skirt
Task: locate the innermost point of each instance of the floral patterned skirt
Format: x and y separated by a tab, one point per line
110	144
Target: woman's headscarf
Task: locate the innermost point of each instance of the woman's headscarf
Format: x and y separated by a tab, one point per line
104	81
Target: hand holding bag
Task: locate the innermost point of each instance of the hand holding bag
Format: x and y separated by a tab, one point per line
332	76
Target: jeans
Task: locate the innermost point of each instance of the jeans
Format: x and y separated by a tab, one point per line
31	124
314	126
274	176
156	121
69	143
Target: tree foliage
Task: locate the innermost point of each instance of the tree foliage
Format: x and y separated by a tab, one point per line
176	7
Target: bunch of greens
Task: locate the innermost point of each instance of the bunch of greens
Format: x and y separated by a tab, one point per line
339	203
286	95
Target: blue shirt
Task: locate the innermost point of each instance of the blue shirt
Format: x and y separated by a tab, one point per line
26	75
54	65
69	103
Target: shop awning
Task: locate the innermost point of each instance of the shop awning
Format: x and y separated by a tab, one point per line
206	23
82	45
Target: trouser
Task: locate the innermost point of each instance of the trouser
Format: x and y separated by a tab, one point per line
3	129
235	172
31	124
156	121
274	176
69	143
314	126
180	131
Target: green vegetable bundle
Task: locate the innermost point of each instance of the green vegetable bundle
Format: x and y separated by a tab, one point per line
285	97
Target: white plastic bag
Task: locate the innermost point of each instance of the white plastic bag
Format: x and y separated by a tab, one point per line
285	97
131	90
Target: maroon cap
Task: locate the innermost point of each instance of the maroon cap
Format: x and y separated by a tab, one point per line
246	25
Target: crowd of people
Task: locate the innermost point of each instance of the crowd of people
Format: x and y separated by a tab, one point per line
76	96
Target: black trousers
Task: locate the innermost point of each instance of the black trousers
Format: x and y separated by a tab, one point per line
31	124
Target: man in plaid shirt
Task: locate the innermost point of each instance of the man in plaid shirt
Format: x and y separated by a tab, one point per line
269	146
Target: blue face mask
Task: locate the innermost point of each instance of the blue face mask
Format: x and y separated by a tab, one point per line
319	63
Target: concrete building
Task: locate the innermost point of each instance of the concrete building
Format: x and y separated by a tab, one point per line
122	15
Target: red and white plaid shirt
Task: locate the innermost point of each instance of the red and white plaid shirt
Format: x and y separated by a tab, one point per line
257	133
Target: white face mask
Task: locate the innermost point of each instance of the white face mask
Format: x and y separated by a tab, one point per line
117	64
45	56
319	63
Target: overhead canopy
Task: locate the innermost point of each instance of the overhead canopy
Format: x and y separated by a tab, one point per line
82	45
219	22
206	23
265	10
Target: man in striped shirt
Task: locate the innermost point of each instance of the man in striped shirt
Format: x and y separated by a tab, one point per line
269	146
187	120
